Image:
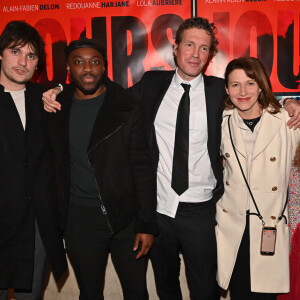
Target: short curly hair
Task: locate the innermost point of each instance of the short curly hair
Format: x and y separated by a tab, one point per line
200	23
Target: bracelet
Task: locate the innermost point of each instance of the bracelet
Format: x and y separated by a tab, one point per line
61	87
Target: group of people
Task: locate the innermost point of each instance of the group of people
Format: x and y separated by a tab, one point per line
171	165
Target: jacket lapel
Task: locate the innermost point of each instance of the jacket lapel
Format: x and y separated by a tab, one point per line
158	93
29	108
9	115
59	128
110	117
209	96
270	125
212	108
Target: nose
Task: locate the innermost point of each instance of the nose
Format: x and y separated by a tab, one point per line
243	90
196	51
22	60
87	67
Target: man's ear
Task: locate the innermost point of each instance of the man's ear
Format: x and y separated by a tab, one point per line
175	48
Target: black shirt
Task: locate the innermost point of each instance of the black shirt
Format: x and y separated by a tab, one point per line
83	189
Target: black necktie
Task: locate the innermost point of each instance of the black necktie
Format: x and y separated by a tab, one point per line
180	171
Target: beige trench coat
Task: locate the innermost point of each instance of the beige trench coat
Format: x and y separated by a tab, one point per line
267	174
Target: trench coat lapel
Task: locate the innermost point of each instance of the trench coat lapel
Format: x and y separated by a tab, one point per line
270	125
237	136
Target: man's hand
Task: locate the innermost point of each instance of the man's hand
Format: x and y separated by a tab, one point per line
293	109
49	99
146	241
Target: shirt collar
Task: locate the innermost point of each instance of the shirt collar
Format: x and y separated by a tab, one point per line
193	83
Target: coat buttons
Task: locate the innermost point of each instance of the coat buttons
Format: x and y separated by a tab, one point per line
273	217
274	188
227	182
225	210
227	154
272	159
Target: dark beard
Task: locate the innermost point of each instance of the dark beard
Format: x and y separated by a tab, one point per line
88	91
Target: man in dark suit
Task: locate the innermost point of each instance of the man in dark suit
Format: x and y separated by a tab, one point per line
105	179
29	231
184	116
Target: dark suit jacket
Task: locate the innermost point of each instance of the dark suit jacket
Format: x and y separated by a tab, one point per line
151	91
119	156
26	191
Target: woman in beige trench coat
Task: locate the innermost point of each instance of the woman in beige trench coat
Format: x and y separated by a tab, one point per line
265	147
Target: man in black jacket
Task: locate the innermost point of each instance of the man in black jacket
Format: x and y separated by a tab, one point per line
105	180
29	231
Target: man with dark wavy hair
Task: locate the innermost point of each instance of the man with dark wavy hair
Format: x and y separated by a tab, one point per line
30	237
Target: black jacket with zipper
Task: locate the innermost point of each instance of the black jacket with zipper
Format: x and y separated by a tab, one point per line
118	155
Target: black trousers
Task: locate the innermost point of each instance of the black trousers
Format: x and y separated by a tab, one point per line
191	232
240	283
88	243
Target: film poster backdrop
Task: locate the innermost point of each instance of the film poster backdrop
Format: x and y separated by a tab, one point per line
138	34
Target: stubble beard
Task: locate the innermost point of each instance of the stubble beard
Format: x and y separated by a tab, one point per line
91	90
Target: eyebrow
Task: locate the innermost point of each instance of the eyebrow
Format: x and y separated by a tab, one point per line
80	56
19	48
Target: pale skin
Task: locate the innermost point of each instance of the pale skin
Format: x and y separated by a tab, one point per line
17	67
192	53
243	92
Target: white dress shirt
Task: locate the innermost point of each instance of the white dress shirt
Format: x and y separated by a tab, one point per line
201	178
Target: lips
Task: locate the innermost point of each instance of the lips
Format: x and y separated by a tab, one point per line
21	71
194	63
88	78
244	99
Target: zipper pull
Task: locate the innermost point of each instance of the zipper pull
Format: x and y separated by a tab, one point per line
103	209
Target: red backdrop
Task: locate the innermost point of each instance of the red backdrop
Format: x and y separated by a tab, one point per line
138	34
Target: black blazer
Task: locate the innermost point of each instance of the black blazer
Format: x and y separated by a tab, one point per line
119	156
26	191
151	89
